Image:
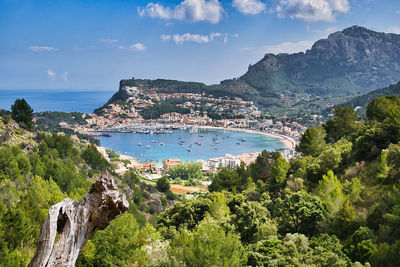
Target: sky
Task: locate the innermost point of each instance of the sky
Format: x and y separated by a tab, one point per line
93	44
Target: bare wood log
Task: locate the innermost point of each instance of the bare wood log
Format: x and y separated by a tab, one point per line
75	221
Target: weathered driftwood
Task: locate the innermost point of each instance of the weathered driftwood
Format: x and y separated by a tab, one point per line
75	221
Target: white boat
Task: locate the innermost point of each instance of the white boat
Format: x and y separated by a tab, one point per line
148	146
139	144
161	143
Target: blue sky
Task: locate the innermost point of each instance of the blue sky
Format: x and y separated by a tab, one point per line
91	45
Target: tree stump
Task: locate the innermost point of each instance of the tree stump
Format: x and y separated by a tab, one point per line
75	222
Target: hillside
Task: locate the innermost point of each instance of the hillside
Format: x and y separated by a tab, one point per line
355	60
349	62
363	100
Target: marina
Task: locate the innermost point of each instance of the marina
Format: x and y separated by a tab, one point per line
189	146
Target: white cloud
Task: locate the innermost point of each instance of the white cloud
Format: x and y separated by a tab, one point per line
134	47
190	37
193	10
165	37
249	7
64	76
312	10
109	41
52	75
394	29
286	47
43	48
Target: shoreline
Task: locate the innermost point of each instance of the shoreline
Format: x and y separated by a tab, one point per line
286	140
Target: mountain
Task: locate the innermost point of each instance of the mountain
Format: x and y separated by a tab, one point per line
355	60
349	62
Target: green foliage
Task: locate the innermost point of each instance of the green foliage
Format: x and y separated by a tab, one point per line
53	118
312	142
228	179
162	184
185	171
360	246
330	192
186	214
383	108
130	178
311	211
345	221
120	244
278	173
22	113
208	245
297	250
393	217
253	222
383	168
386	255
299	212
93	157
344	123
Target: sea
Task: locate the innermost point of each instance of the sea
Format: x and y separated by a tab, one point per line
211	143
187	146
56	100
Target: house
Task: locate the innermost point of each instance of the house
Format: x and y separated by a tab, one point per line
167	163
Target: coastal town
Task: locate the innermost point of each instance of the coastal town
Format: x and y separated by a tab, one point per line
196	111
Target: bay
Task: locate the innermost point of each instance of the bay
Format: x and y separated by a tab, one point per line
214	143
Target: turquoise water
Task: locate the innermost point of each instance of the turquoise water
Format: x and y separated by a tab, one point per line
229	142
56	100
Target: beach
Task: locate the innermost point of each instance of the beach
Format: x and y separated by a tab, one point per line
289	142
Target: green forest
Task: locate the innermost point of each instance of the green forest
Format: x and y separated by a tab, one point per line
337	204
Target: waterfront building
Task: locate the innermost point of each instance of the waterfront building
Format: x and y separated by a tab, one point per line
167	163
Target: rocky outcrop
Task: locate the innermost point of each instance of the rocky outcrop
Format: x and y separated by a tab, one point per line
76	221
355	60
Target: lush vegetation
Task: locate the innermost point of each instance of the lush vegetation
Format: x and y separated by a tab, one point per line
363	100
22	113
338	204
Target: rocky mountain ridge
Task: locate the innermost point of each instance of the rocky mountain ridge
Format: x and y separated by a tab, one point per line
350	62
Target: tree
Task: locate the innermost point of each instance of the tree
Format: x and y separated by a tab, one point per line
393	217
253	222
344	123
207	245
93	157
383	168
330	192
360	245
278	173
299	212
185	171
163	184
295	250
228	179
22	113
384	107
120	244
130	178
312	142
